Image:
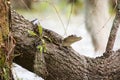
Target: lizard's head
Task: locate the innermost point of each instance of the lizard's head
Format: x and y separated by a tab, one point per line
70	39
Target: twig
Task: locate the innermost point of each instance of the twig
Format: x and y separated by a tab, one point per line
114	29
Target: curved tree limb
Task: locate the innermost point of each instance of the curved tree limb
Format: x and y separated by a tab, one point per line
59	63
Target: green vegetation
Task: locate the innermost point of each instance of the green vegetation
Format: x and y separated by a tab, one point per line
42	47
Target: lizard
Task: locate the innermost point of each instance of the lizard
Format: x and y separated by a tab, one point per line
70	40
56	38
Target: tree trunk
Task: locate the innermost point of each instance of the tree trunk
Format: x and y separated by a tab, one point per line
96	18
6	41
21	4
59	63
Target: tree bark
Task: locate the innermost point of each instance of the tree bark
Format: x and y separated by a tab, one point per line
6	41
96	19
21	4
60	63
114	28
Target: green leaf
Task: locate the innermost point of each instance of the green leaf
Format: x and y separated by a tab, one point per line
2	61
43	41
44	45
50	40
6	71
40	48
40	29
45	49
32	33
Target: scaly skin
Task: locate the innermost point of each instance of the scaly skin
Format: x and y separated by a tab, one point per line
56	38
59	40
70	40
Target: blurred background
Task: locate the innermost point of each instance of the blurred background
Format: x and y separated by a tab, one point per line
90	19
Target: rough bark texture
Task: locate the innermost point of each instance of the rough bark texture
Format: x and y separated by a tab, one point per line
6	42
60	63
114	28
